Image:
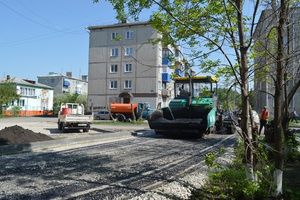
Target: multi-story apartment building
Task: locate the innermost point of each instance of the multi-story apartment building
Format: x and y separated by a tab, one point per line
123	63
65	83
36	99
264	86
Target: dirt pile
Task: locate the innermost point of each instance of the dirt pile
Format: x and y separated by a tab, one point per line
18	135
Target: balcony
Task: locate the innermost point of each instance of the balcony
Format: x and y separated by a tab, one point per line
66	83
166	77
178	72
166	61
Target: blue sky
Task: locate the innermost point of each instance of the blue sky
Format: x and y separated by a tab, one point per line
42	36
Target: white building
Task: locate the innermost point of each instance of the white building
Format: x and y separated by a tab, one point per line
265	86
36	99
65	83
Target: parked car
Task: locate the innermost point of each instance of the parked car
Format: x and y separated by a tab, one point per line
102	115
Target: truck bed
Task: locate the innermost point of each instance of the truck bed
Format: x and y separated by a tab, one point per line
76	118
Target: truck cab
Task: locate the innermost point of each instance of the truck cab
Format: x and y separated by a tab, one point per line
144	110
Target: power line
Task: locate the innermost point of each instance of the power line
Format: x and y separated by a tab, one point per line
79	29
33	21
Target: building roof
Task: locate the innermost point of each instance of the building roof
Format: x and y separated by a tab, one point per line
52	74
21	81
118	25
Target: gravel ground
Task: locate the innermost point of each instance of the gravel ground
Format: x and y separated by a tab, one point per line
138	166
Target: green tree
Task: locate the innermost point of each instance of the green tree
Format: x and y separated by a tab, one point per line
218	26
276	47
207	27
68	98
8	93
229	99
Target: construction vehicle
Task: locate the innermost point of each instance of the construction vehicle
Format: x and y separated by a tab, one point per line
127	112
192	111
71	117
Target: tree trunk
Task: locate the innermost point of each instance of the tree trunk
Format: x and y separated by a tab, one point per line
278	173
246	134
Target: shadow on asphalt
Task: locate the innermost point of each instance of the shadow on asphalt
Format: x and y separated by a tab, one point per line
56	131
152	134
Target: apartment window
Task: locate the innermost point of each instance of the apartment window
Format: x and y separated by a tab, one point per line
128	68
113	68
129	35
127	84
114	52
113	85
114	35
129	51
165	53
21	102
11	103
27	91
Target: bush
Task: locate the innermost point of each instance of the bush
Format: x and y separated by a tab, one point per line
229	182
15	111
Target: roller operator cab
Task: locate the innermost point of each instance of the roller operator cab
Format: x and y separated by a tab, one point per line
192	111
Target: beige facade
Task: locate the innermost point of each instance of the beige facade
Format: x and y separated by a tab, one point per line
132	64
264	86
65	83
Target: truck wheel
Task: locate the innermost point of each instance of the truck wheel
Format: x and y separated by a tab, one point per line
121	118
86	130
231	129
158	132
60	127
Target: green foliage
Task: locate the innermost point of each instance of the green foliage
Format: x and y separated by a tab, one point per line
16	110
292	145
210	159
233	100
251	98
229	182
68	98
8	93
118	38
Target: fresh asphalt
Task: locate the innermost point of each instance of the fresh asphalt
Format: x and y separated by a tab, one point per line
98	133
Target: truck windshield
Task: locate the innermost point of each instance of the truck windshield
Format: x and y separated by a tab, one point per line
182	89
198	89
202	90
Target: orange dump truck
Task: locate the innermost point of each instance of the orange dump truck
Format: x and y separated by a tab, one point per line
130	111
